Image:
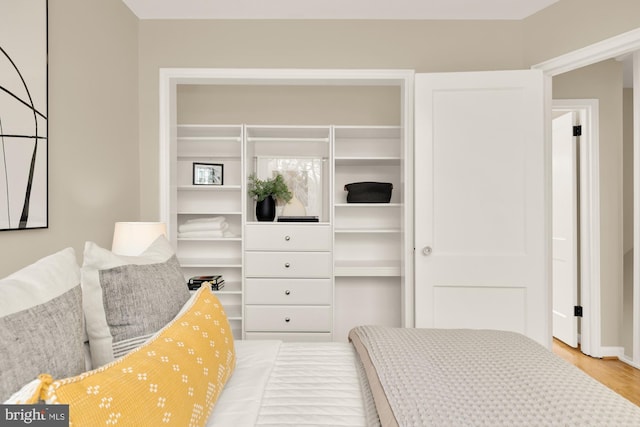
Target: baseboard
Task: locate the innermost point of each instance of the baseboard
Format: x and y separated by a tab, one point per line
611	352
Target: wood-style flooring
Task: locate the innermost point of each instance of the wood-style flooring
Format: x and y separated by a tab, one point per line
613	373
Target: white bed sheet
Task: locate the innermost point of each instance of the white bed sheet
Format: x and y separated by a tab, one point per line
294	384
239	402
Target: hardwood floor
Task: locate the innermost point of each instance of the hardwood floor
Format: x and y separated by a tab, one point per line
613	373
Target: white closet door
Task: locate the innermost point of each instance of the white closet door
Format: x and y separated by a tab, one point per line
480	204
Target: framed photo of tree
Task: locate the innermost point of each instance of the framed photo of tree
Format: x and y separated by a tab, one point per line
23	115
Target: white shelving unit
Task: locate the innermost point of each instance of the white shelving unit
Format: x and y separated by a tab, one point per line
367	234
200	255
368	237
289	265
379	290
354	253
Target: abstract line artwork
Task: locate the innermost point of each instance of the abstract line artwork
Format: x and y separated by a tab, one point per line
23	115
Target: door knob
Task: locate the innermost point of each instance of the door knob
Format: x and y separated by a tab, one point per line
426	251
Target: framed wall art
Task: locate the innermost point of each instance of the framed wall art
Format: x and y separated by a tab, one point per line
208	174
303	176
23	115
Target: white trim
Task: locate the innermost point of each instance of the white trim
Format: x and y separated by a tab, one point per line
628	361
613	47
588	113
286	76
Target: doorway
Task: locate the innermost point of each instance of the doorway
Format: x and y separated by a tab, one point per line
580	252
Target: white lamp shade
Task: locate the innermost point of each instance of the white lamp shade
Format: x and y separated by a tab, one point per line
132	238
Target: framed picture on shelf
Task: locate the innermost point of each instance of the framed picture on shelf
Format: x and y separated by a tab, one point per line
303	176
208	173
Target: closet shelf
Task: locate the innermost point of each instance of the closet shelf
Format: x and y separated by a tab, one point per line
209	187
369	161
222	213
211	262
367	205
210	138
209	239
390	268
367	230
285	139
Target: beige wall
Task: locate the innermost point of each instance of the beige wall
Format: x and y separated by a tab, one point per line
93	130
289	105
419	45
571	24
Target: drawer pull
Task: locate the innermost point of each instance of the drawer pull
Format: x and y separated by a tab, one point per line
287	238
287	319
287	265
287	292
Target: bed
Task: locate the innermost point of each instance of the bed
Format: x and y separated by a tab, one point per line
185	368
416	377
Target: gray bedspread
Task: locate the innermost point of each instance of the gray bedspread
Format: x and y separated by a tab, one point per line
435	377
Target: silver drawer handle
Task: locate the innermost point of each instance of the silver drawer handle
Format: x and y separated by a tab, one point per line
287	292
287	238
287	319
287	265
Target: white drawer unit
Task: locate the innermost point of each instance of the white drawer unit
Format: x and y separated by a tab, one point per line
288	272
290	336
288	264
279	237
288	318
288	291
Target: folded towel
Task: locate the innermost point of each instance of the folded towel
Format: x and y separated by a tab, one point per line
203	226
213	219
206	234
214	233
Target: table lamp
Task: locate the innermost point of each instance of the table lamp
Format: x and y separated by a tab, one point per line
132	238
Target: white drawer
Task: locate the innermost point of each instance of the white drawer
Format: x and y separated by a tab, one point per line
288	237
288	291
290	336
288	264
287	318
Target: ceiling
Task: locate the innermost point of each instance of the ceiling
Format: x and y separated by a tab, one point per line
336	9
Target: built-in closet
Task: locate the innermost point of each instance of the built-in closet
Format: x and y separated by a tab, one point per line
462	243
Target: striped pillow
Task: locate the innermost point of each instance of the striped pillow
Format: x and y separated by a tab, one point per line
128	299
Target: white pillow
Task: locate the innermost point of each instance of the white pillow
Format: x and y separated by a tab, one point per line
127	299
41	322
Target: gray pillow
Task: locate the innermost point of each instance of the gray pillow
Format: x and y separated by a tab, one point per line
128	299
41	322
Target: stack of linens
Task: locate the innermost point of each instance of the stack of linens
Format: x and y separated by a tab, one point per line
216	226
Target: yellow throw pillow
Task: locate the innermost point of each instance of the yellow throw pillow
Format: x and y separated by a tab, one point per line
173	379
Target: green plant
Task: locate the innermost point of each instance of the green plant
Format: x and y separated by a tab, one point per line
260	189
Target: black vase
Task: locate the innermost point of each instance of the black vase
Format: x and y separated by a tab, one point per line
266	209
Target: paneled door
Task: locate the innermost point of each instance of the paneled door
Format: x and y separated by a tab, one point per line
482	248
565	229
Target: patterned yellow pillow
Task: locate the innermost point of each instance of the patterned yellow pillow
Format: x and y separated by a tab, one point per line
173	379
